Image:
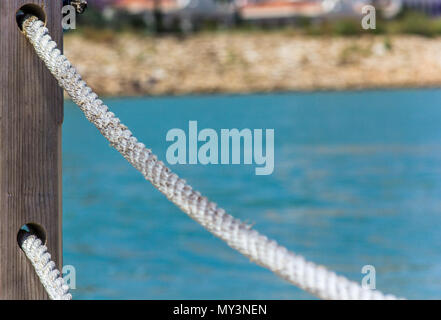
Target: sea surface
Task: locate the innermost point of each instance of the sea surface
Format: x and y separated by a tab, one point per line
357	181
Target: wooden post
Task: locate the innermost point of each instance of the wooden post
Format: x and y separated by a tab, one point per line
31	114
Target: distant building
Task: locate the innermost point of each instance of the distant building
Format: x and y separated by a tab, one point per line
185	13
391	8
188	14
330	9
431	7
279	9
292	9
142	6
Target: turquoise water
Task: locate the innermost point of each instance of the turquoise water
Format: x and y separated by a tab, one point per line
357	181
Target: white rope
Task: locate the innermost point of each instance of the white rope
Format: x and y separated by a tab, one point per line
50	277
294	268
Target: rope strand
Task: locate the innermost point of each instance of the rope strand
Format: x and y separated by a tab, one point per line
258	248
49	275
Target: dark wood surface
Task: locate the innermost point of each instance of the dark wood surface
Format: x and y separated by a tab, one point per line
31	115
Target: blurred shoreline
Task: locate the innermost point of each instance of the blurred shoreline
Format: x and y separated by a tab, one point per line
124	64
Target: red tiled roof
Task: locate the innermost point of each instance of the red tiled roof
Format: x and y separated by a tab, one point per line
146	5
278	9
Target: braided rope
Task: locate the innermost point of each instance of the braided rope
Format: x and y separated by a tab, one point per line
294	268
45	268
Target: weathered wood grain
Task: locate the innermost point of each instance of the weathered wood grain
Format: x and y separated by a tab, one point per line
31	115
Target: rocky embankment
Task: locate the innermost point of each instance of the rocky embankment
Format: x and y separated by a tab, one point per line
125	64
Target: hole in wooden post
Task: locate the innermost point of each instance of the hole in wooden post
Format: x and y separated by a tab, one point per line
31	229
30	9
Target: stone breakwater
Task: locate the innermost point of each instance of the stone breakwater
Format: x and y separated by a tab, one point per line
127	64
